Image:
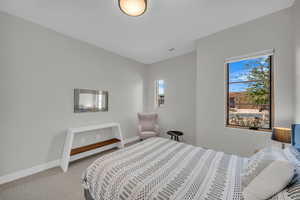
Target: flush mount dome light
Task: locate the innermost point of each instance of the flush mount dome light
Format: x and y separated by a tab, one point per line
133	7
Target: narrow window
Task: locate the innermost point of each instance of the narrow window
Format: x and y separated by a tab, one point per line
159	93
249	93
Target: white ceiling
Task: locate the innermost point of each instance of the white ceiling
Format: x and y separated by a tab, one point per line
167	23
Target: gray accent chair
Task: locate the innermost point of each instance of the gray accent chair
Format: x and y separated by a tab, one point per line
148	125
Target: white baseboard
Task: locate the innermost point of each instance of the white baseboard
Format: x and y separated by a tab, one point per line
39	168
27	172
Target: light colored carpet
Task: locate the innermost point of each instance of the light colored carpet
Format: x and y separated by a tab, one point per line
52	184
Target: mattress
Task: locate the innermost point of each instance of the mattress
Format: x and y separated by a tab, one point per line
161	169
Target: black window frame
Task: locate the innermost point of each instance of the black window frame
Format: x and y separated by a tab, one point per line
160	100
271	104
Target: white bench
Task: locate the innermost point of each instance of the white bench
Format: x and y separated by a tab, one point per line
71	154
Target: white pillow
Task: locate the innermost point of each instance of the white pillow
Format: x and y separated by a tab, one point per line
266	174
291	192
258	156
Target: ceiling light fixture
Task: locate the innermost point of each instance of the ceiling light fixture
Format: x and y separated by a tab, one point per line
133	7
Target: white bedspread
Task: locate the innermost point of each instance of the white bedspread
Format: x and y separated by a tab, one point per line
161	169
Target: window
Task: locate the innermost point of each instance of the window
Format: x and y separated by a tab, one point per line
159	93
249	93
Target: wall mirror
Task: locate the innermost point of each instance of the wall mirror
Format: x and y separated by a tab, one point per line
86	100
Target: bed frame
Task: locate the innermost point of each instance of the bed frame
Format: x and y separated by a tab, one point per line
87	195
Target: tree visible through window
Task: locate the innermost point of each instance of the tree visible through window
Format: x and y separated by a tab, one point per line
249	94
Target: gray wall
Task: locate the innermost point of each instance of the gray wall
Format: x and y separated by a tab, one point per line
38	70
296	26
273	31
179	110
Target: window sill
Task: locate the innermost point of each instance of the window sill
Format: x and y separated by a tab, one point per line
245	128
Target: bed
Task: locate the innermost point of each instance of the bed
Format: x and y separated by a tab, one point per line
161	169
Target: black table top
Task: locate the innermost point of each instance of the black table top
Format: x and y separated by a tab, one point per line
175	133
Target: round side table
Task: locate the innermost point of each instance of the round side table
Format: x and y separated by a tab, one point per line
175	135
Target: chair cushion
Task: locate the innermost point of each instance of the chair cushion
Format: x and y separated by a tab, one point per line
266	174
148	121
147	126
146	134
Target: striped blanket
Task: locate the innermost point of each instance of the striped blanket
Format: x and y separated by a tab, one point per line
161	169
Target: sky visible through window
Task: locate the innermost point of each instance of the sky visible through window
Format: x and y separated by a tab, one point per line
161	87
239	71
